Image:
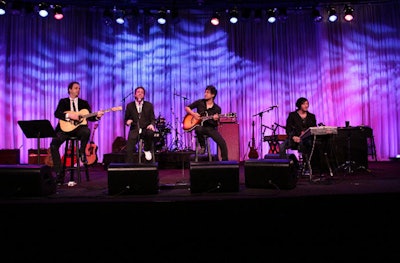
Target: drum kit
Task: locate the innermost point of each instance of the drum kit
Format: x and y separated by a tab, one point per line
160	136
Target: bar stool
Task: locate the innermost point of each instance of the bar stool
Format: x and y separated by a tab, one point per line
140	151
73	155
196	157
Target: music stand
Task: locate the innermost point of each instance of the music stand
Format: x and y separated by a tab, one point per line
37	129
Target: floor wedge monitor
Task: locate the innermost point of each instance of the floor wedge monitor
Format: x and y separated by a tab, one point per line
26	180
270	173
216	176
133	178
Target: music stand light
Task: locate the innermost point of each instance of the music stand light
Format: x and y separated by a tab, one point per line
37	129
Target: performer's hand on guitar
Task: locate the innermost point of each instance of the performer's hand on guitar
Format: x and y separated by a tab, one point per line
215	117
99	114
73	116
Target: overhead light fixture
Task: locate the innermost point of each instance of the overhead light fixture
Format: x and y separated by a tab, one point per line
233	16
119	17
348	13
332	15
215	19
271	16
316	15
3	7
43	9
58	13
162	17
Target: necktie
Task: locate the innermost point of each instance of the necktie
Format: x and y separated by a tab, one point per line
73	105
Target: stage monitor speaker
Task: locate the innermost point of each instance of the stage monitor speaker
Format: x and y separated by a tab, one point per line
26	180
133	178
10	156
230	132
270	173
216	176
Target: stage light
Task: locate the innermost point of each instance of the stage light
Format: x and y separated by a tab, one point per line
348	13
233	16
316	15
43	9
271	16
332	15
3	7
58	13
215	19
162	17
119	17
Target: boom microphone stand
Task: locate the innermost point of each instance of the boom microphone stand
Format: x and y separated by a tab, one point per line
123	102
260	114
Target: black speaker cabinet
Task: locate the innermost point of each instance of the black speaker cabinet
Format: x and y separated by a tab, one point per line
10	156
270	173
133	178
26	180
216	176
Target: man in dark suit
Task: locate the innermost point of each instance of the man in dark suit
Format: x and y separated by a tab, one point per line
139	115
69	111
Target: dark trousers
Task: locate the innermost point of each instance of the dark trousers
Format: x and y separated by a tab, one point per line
214	134
81	132
133	138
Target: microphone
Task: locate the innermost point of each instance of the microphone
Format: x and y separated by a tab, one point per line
275	106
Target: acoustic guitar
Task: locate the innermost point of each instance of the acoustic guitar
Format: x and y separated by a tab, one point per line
68	126
190	122
253	154
91	149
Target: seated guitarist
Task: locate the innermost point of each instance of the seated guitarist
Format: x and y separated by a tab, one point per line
209	127
65	111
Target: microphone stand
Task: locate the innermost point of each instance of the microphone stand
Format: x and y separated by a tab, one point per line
124	108
189	134
260	114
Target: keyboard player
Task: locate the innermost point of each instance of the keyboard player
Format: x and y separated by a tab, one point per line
297	123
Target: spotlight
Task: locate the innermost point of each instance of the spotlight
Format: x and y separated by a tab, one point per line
271	17
162	17
332	15
348	13
58	13
119	17
43	10
233	16
215	19
316	15
2	7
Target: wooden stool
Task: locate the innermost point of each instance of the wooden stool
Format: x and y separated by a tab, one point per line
196	158
72	153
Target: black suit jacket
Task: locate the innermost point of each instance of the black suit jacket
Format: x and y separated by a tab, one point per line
147	116
65	105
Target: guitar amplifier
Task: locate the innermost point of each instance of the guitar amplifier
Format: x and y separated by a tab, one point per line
230	118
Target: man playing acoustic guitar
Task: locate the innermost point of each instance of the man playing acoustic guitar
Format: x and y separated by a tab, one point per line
68	112
209	126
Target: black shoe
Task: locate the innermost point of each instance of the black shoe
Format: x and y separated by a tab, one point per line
59	179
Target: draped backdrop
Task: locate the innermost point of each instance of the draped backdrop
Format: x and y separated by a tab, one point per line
349	71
